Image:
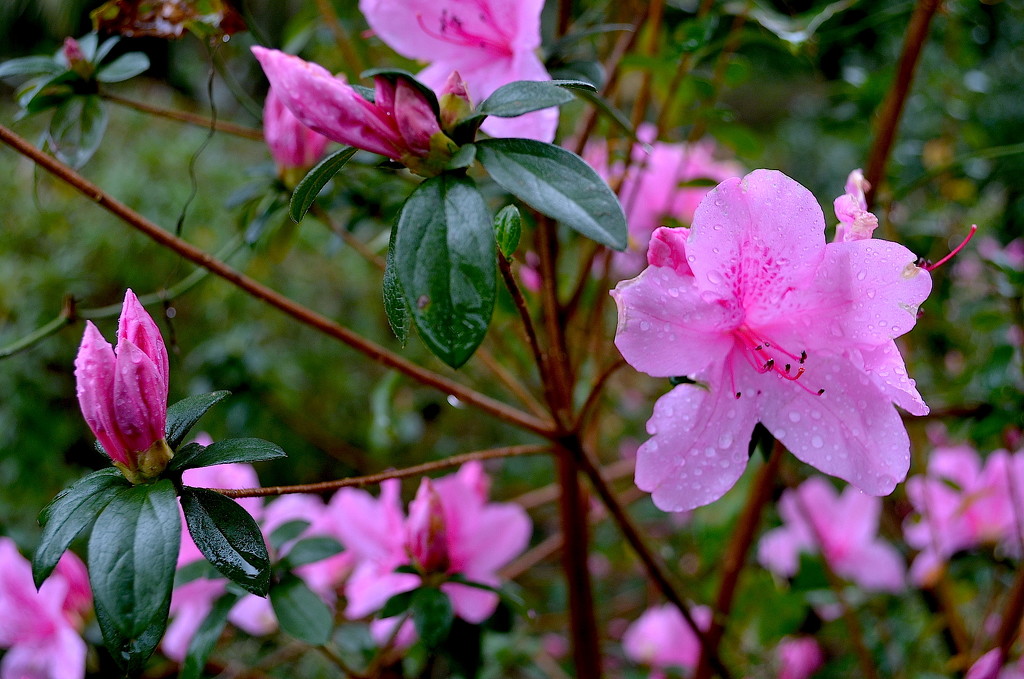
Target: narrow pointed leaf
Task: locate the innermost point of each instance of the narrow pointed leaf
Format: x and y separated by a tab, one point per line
523	96
300	612
123	68
133	551
77	128
67	515
37	65
557	183
444	258
184	414
311	550
508	227
287	532
206	637
228	451
309	187
395	306
228	537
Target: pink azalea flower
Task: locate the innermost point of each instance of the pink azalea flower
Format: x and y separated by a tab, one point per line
993	665
777	327
479	537
842	528
489	42
799	657
123	394
41	629
661	638
650	192
960	505
293	145
399	124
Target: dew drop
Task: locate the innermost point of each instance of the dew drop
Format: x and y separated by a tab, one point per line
794	417
725	440
817	441
861	275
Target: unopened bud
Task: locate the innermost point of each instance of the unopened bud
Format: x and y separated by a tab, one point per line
426	531
72	53
455	102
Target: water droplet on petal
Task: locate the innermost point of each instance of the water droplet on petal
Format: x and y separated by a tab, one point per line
817	441
794	416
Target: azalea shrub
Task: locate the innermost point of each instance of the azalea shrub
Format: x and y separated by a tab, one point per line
511	339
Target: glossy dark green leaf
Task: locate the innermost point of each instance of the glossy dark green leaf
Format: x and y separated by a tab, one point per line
445	262
397	604
309	187
287	532
228	537
123	68
72	511
133	551
206	637
228	451
37	65
77	128
523	96
557	183
432	614
464	157
184	414
130	653
300	612
395	306
312	550
508	227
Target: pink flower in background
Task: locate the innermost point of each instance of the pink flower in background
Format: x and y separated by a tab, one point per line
961	504
479	537
123	393
777	327
992	665
855	222
41	629
292	144
799	657
489	42
651	194
661	638
399	124
842	528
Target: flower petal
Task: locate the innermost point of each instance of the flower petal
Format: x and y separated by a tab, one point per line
875	566
885	366
94	377
139	328
140	398
779	551
372	528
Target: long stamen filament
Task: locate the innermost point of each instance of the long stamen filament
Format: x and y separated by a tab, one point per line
759	346
954	251
453	32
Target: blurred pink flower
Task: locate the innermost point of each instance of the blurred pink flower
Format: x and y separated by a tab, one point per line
651	191
399	124
480	536
779	328
992	665
799	657
661	638
123	394
842	528
292	144
489	42
961	504
41	629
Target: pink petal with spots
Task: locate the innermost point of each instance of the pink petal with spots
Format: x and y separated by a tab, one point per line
885	366
140	398
139	328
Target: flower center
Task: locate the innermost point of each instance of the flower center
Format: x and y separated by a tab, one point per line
453	30
765	355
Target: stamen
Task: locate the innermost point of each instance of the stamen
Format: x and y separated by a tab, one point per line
958	248
453	32
757	346
820	392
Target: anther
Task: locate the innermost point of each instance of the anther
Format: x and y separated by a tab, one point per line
768	365
738	394
788	366
820	392
803	356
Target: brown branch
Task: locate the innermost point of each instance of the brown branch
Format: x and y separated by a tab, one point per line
265	294
524	314
353	62
187	117
736	555
892	107
416	470
597	389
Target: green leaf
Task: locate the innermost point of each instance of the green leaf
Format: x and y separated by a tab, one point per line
77	128
395	307
523	96
287	532
195	570
103	50
312	550
124	67
557	183
508	227
309	187
464	157
72	511
130	653
397	604
37	65
184	414
228	537
432	614
206	637
226	452
133	550
300	612
45	93
445	262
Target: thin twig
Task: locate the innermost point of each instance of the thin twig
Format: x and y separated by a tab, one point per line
353	62
187	117
595	391
361	248
510	381
524	314
339	662
416	470
261	292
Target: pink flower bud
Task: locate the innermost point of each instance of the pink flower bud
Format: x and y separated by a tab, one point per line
72	52
426	530
123	393
455	101
855	221
415	117
293	145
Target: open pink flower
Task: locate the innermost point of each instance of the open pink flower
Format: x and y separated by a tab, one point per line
992	665
774	326
41	629
399	124
479	537
292	144
842	528
799	657
661	638
123	393
489	42
961	504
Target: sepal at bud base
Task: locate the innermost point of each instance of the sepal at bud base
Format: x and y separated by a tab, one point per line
149	464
